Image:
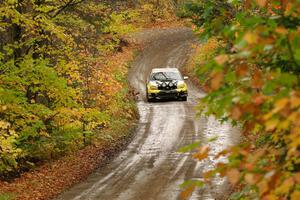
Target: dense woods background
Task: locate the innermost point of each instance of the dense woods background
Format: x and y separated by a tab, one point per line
59	88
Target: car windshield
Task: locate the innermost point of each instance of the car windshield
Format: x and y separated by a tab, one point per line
162	76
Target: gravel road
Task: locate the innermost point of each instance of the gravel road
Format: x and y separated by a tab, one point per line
151	168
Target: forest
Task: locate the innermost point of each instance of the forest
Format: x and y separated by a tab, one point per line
58	89
63	88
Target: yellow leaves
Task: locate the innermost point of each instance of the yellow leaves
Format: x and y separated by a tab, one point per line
202	153
3	108
283	125
45	134
295	102
263	187
271	124
285	187
270	197
295	195
251	38
4	125
203	53
280	104
281	117
233	176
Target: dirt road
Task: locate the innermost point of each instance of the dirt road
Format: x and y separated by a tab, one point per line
151	167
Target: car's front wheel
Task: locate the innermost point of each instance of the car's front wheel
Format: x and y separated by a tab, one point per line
183	98
147	96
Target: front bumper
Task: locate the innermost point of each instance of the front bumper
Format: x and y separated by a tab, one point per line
167	94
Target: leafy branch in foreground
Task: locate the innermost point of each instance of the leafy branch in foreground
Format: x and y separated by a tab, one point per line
254	82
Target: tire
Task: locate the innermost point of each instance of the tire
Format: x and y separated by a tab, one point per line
147	98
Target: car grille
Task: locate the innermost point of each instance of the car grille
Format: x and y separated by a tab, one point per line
167	86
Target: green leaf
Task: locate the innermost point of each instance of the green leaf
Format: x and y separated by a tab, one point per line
212	139
196	183
189	147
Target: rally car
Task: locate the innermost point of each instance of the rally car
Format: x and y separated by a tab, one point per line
166	83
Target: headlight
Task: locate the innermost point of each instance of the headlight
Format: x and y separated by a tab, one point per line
153	87
180	86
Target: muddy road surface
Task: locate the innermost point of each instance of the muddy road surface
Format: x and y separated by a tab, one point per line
151	168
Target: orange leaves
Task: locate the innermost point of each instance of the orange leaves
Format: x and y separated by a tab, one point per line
258	99
288	7
257	79
236	112
297	177
187	192
233	176
241	70
281	30
221	59
190	186
262	3
251	178
216	80
202	153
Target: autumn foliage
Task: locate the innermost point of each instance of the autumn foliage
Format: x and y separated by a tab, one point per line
252	80
59	89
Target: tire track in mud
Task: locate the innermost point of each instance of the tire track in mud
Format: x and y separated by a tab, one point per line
151	168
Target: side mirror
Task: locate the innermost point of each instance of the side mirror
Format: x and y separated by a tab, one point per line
185	78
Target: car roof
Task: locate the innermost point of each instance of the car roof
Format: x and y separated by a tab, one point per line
164	70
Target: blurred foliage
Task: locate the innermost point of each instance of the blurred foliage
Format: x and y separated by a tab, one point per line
6	196
252	79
